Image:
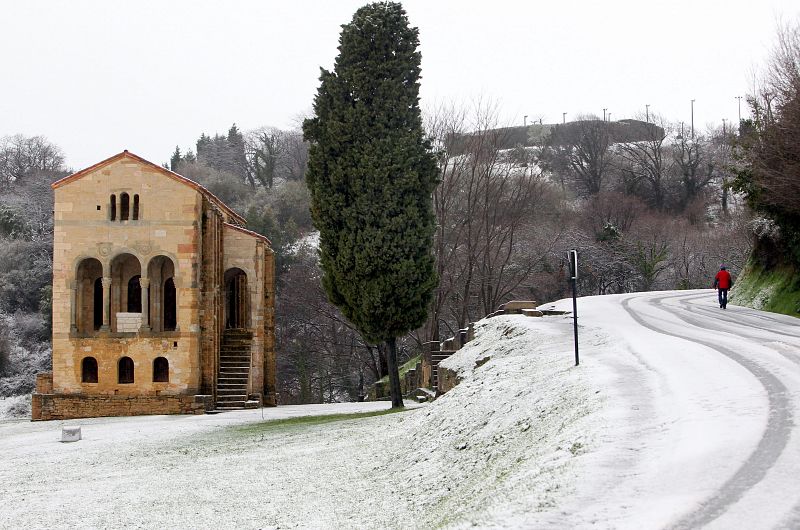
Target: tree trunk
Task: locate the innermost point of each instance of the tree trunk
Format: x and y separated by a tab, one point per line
394	374
382	363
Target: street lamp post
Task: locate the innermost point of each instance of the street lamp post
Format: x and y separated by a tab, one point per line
692	119
647	112
740	108
563	117
525	121
604	114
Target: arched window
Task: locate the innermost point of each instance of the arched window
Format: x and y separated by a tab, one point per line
89	370
124	207
125	371
134	295
113	207
136	207
161	370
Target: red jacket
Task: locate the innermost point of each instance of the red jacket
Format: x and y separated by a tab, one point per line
723	280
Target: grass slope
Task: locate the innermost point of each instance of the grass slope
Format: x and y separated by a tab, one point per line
776	289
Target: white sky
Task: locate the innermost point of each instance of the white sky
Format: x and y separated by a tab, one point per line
97	77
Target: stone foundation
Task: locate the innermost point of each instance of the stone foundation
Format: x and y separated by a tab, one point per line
69	406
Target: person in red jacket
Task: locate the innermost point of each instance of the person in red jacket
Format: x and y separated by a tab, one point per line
723	282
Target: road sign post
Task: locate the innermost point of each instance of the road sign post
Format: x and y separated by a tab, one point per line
572	256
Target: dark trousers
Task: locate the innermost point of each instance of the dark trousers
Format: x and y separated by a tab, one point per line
723	297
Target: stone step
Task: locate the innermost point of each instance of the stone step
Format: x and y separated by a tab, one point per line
245	358
232	397
232	378
234	370
232	386
227	392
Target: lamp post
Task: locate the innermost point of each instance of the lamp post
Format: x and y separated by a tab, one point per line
525	121
609	116
647	112
563	117
740	108
692	119
604	114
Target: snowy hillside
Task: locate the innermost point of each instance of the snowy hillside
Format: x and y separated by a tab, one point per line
680	415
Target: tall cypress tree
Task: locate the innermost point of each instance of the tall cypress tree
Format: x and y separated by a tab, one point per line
371	175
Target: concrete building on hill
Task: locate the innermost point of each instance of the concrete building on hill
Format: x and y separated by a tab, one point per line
163	303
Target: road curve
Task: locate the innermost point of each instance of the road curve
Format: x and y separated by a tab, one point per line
754	340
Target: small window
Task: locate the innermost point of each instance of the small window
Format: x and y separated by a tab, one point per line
98	208
125	371
124	207
113	208
161	370
89	370
136	207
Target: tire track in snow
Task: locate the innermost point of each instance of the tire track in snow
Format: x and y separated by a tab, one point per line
770	446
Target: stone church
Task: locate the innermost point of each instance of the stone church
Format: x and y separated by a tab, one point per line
163	302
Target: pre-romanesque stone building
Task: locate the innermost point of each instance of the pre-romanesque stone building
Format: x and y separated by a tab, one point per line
163	303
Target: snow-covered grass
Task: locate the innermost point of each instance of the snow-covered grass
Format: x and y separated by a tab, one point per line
500	444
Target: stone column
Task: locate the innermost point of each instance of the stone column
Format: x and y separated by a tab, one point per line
106	304
73	306
145	285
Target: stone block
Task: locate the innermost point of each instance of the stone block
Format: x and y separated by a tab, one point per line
515	306
70	434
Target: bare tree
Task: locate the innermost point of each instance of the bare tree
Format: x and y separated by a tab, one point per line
581	149
645	160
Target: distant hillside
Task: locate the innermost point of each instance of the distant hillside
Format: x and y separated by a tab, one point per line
622	131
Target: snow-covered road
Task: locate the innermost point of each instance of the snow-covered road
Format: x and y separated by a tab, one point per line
681	415
700	431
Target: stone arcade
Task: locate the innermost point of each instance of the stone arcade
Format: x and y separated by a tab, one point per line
163	303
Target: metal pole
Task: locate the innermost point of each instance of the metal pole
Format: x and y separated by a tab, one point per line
647	112
572	258
563	117
604	114
525	121
692	119
575	318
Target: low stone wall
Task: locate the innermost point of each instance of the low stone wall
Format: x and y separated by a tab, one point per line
69	406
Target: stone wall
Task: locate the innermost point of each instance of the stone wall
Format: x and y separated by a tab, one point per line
69	406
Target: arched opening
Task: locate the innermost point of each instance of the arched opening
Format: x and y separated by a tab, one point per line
89	370
124	206
88	310
237	299
136	207
113	208
163	294
170	303
125	371
160	370
126	293
134	295
98	304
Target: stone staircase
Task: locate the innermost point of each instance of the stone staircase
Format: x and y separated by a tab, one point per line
234	370
436	358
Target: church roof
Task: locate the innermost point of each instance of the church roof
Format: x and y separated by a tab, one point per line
171	174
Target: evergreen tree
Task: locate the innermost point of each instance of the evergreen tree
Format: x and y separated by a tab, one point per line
176	159
371	175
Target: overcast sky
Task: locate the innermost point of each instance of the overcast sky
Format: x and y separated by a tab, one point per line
97	77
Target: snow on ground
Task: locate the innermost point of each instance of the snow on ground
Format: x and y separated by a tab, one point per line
13	407
678	416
